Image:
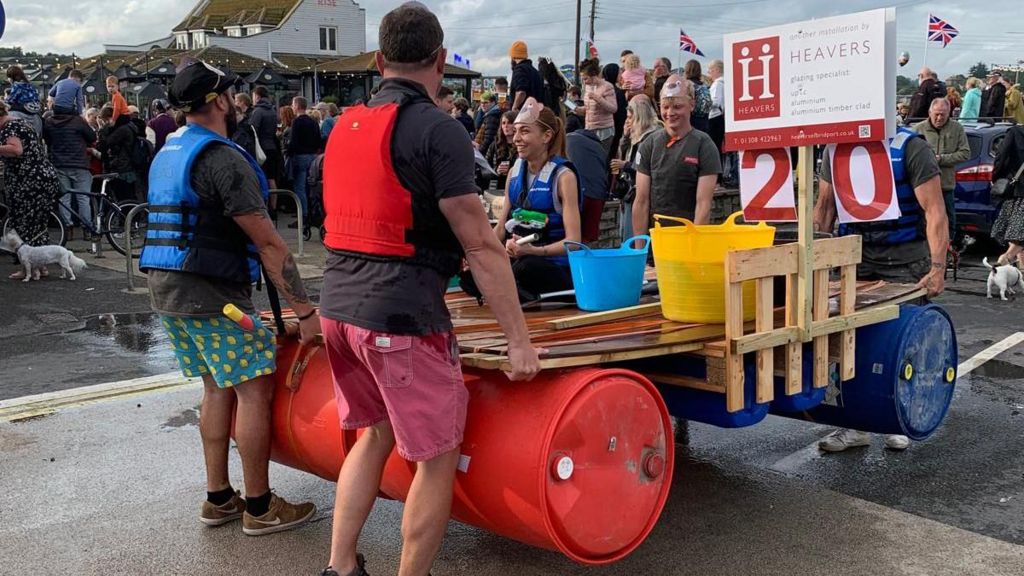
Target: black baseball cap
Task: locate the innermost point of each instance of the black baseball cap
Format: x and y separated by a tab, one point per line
198	84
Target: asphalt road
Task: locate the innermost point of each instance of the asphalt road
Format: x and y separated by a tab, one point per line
970	475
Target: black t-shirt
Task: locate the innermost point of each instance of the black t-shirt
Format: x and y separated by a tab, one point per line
675	168
433	156
526	78
221	174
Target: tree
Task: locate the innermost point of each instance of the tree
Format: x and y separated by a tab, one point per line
905	85
979	70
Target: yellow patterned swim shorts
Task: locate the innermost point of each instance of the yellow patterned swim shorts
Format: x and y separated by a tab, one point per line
221	348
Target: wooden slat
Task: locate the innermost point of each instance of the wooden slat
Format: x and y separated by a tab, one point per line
794	350
765	322
874	315
847	306
890	294
762	262
805	240
765	340
837	252
600	317
492	362
684	382
820	342
733	330
626	343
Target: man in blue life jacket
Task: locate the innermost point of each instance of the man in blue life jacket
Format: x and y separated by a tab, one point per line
208	233
911	249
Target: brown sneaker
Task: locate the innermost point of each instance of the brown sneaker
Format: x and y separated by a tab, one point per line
217	515
280	517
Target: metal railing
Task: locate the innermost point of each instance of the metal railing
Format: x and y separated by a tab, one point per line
129	268
298	214
129	219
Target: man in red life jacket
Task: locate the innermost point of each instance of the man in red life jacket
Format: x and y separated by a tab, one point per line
401	212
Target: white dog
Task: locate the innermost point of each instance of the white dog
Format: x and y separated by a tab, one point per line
1006	277
34	258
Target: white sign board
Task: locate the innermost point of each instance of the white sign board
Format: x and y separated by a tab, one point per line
863	182
821	81
766	186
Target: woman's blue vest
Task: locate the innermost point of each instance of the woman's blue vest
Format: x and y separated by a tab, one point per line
910	225
540	199
187	233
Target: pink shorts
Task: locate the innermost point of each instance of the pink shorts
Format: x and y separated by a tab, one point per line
413	381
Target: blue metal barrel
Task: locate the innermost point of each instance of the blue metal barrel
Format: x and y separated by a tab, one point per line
905	375
807	398
699	405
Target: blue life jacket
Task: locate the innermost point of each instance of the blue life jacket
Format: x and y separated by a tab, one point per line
910	225
539	198
187	233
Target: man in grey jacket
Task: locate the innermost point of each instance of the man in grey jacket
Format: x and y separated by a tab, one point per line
949	142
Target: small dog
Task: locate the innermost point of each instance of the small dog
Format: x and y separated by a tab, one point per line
1006	277
34	258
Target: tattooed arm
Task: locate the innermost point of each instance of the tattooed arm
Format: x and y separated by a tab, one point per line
280	268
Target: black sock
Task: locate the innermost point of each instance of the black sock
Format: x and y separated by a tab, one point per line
258	505
221	497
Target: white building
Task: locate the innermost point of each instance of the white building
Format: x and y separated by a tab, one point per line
327	29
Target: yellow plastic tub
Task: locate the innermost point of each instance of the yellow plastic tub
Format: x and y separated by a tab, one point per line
690	261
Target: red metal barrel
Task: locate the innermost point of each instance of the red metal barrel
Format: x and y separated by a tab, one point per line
578	461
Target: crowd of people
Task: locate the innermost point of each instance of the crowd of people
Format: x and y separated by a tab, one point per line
993	98
62	149
401	208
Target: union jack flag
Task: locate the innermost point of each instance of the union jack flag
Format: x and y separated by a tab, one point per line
941	31
686	44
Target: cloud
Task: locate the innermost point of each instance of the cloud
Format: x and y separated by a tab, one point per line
482	30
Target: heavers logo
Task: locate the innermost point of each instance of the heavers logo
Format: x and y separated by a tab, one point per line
755	90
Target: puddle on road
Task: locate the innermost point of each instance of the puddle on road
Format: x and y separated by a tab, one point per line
1001	381
129	336
188	417
1000	369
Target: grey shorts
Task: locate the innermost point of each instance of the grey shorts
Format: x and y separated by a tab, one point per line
905	263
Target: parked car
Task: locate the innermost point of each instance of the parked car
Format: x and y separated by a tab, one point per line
976	208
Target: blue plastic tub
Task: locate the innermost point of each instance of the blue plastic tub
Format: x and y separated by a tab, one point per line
905	376
608	279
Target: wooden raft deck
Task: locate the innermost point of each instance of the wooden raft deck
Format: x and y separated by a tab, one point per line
571	337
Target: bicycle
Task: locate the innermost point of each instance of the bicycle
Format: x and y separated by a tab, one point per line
53	225
108	220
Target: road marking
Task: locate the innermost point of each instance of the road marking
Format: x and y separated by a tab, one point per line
48	403
811	451
987	354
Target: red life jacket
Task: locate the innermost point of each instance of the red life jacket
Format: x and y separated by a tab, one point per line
367	210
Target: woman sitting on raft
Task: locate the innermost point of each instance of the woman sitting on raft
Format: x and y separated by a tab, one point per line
542	205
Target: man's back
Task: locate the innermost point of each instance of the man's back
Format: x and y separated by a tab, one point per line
526	78
67	94
587	154
305	136
993	101
264	120
922	99
433	160
67	137
163	125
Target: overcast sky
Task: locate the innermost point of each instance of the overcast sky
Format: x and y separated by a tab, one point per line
482	30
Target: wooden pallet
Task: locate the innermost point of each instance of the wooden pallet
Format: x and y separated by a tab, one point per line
569	337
